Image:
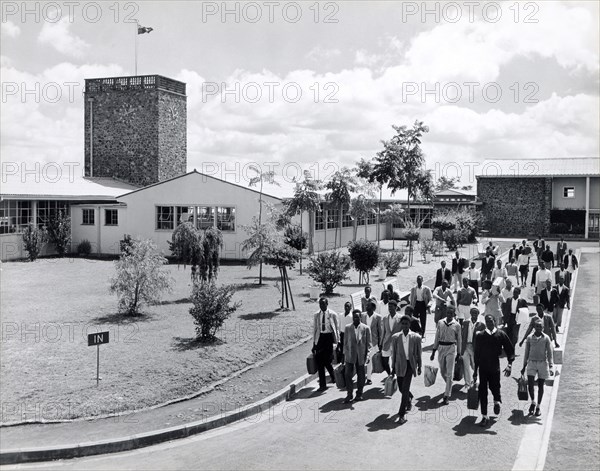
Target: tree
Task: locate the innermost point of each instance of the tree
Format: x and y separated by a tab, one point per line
341	184
212	307
365	256
192	246
260	237
366	171
306	199
401	165
140	277
59	232
34	239
211	243
445	183
259	179
283	257
394	214
184	244
360	207
329	269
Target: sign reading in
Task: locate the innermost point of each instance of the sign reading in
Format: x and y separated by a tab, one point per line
97	339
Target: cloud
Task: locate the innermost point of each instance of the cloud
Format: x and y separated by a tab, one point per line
10	29
59	36
319	53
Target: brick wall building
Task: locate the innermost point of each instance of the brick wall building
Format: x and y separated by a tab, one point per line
135	128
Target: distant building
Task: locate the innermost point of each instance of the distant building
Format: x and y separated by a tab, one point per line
453	198
547	197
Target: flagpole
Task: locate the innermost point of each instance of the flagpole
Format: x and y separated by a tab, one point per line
137	25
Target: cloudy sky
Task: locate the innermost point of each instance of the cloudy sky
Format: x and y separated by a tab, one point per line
315	85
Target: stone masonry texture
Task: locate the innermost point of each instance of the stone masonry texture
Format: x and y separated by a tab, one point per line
515	206
139	133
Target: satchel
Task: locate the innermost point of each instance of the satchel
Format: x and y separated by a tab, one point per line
473	397
311	364
458	370
377	363
430	375
390	386
340	377
522	393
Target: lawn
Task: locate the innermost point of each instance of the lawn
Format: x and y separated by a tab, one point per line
48	307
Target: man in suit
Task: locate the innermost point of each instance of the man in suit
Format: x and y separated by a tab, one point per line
548	297
468	330
561	250
514	252
406	361
373	321
571	262
442	273
391	326
563	300
459	265
548	257
325	336
487	266
357	344
510	311
564	274
420	297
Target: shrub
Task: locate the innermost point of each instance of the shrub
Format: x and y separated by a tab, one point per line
191	246
84	248
126	244
329	269
140	277
427	246
33	240
455	238
59	232
211	308
295	238
365	256
391	262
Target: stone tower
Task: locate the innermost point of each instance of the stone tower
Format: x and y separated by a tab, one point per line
135	128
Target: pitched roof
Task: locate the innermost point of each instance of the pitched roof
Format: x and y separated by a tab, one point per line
551	167
61	187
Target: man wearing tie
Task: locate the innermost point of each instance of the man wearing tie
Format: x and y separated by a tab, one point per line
442	274
469	328
325	336
420	297
373	322
448	339
391	326
563	300
357	343
406	361
561	250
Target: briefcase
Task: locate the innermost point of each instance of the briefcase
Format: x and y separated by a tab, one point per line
340	376
377	363
473	397
522	393
458	370
390	386
311	364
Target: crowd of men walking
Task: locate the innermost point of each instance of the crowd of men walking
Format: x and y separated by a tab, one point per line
394	328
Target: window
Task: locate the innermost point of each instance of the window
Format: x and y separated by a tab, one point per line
205	217
46	210
164	217
226	218
320	218
569	192
346	218
111	217
88	217
372	217
333	218
15	216
185	214
594	223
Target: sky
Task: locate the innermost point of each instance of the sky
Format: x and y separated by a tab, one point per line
295	86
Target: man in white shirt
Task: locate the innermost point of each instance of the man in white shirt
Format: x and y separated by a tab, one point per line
420	297
343	320
325	338
464	300
366	298
391	326
474	275
373	322
468	330
543	275
448	340
571	262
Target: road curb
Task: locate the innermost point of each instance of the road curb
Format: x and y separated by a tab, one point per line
24	455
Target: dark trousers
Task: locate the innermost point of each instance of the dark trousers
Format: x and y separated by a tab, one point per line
386	364
421	314
360	378
324	357
340	349
475	285
489	379
512	328
404	388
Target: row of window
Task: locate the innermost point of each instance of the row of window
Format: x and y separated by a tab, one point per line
332	215
203	217
16	215
111	217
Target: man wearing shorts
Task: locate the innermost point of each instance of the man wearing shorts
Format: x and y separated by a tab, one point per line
538	361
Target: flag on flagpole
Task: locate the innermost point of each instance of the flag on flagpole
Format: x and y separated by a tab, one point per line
144	29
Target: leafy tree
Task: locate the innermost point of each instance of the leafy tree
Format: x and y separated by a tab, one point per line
211	243
140	278
191	246
212	307
394	214
283	257
184	244
294	237
445	183
341	184
59	232
306	199
260	237
360	207
260	178
329	269
365	256
34	239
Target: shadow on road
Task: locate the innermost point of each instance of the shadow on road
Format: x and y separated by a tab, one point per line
467	426
383	422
